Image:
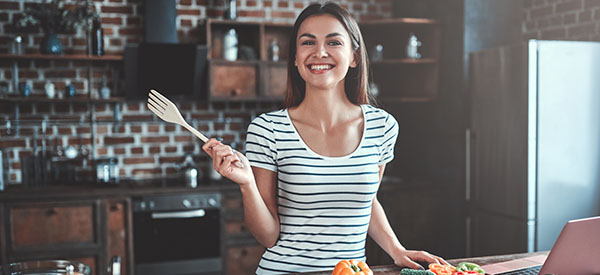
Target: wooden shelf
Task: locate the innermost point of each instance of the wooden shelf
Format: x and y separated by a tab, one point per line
56	100
406	20
79	57
405	61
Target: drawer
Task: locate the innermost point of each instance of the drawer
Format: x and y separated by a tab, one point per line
39	225
276	80
243	259
233	80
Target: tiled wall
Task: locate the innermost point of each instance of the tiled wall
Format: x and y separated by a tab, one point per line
562	20
145	147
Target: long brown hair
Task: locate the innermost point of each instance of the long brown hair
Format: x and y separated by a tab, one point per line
357	79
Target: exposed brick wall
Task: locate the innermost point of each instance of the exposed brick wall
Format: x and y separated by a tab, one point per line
144	146
562	20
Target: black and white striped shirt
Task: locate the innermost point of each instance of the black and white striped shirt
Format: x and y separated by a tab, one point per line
324	203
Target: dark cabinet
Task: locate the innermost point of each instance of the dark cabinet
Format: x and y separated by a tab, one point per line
90	231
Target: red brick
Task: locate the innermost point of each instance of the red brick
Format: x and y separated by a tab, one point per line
214	12
115	1
581	30
185	2
201	2
253	13
115	42
135	128
108	31
65	131
153	128
251	3
282	4
591	3
12	143
170	149
298	5
129	31
541	12
184	139
117	140
585	16
154	150
61	74
572	5
186	22
283	14
117	9
195	12
83	130
155	139
119	151
138	160
5	5
138	117
169	159
28	74
101	130
153	171
267	4
189	148
137	150
112	20
169	128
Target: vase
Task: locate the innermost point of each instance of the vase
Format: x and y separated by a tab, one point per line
51	44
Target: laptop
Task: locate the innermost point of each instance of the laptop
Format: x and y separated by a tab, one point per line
575	252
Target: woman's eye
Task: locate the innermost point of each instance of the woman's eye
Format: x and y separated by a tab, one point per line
307	42
334	43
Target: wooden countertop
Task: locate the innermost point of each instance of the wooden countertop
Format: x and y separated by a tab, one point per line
394	270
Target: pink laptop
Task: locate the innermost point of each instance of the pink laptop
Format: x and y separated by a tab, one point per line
575	252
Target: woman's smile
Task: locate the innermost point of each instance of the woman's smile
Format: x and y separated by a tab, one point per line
320	68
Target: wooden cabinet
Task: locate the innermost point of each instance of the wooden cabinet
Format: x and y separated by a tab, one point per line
242	251
91	231
398	78
254	75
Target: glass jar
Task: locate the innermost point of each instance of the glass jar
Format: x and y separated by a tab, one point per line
107	171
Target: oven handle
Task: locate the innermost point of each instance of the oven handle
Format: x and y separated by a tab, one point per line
181	214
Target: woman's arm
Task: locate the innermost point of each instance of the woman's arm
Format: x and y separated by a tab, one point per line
260	206
383	234
258	187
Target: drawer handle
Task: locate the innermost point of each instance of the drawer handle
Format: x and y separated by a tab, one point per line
51	212
114	207
234	92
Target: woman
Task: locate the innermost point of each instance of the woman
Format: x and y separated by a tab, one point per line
312	170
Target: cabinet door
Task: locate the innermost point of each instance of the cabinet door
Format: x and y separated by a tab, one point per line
233	80
118	240
243	259
39	225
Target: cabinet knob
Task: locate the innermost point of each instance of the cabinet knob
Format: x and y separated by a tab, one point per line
235	92
114	207
51	212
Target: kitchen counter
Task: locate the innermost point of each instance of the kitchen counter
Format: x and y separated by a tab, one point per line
394	270
125	188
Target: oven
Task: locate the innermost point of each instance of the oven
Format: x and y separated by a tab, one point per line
177	234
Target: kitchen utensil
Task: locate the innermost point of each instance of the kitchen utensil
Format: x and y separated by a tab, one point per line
107	170
49	267
167	111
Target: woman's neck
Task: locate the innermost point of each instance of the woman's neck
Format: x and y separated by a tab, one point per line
325	108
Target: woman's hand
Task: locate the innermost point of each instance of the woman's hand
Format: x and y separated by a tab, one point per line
224	161
409	258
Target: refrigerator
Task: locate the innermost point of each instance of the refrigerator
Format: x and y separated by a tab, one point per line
533	145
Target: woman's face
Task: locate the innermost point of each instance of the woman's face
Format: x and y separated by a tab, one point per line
324	52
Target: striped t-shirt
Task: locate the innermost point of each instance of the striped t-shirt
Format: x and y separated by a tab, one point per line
323	203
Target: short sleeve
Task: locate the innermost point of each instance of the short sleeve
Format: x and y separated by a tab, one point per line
390	135
260	144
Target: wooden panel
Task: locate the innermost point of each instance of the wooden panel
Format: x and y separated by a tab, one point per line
276	80
46	225
233	80
243	260
499	129
117	232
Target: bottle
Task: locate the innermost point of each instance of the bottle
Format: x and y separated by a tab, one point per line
97	38
412	47
104	89
231	12
274	50
230	45
49	88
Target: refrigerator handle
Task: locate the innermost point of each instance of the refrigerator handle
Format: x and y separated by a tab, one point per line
468	192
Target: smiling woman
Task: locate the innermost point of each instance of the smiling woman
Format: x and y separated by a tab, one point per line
313	168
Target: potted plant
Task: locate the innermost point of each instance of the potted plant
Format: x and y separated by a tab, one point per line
53	17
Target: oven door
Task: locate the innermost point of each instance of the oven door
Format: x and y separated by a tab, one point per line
177	242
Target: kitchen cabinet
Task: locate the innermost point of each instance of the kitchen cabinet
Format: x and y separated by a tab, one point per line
91	231
255	75
242	251
397	77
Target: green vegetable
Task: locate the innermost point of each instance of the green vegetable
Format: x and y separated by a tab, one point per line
408	271
466	266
